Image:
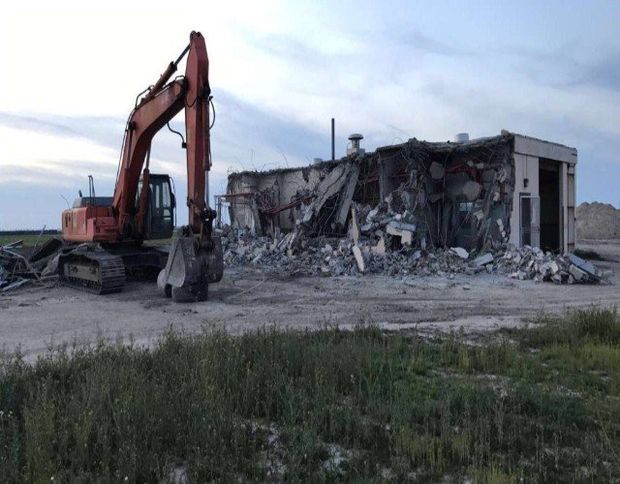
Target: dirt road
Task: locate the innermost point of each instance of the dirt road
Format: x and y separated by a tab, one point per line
34	318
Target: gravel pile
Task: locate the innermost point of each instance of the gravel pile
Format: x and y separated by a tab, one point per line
598	221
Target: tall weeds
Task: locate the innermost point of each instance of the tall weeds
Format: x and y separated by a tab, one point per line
228	407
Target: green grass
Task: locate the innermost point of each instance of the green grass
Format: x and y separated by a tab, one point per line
539	404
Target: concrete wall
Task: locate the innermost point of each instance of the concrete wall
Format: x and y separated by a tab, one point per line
527	152
284	184
526	167
244	215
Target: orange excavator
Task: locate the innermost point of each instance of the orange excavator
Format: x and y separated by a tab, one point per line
106	234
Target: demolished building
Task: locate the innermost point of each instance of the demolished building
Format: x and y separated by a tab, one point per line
476	194
496	205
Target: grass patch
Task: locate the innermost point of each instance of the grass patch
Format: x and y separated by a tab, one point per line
320	406
595	325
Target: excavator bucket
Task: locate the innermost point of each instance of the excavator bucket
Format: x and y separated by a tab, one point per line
191	268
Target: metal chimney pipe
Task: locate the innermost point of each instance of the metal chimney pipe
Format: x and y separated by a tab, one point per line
333	139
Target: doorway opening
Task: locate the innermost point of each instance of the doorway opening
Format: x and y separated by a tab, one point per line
549	191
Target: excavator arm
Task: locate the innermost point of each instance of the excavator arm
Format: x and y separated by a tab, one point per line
158	107
145	121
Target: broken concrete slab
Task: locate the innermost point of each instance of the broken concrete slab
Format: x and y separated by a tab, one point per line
48	248
372	254
462	253
578	274
403	226
379	249
359	258
392	230
483	260
328	187
401	229
347	196
583	265
354	231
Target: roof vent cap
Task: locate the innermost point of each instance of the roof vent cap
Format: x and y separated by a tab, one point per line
461	138
354	147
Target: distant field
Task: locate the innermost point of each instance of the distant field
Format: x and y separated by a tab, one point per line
29	239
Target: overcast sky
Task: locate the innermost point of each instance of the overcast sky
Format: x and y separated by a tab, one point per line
392	70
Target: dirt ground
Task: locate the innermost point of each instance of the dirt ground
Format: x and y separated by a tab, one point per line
35	318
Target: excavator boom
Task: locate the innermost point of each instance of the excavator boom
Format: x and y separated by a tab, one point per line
157	108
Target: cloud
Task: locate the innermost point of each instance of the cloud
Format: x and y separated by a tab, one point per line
417	40
603	72
287	47
241	126
389	71
53	154
31	123
104	130
566	65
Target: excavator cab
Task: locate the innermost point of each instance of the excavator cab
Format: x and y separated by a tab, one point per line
159	223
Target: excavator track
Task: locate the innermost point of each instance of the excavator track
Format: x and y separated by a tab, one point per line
95	272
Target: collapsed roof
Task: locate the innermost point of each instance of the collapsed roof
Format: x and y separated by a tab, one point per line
445	194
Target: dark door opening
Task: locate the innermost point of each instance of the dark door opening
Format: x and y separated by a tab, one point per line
549	190
526	219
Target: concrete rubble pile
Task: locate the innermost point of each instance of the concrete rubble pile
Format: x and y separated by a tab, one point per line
380	241
17	269
533	263
335	257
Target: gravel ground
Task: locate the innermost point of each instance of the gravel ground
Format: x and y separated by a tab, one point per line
35	318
